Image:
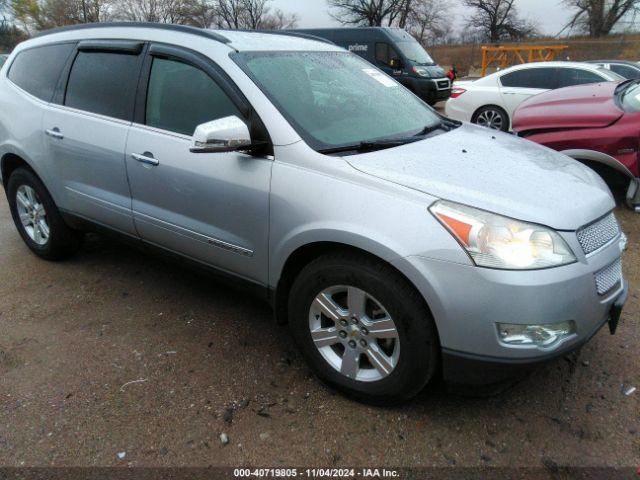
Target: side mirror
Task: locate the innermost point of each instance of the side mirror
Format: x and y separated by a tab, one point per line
395	63
223	135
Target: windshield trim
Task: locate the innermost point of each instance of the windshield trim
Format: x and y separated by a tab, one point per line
239	59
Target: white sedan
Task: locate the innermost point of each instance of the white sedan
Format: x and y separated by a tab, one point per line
491	100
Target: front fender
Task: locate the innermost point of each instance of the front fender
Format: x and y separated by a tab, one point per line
633	192
336	233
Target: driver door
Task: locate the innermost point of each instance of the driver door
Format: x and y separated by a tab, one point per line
210	207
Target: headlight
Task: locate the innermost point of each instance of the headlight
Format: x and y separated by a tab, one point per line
501	242
423	72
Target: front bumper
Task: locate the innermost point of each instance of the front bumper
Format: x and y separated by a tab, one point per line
467	302
468	369
432	90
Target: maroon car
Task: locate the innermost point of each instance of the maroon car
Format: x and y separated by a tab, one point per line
598	124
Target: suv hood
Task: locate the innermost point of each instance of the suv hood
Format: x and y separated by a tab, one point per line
584	106
497	172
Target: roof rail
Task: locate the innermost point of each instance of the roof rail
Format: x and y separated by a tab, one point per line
202	32
286	33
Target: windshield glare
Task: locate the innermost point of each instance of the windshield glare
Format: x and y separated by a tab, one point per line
336	99
415	53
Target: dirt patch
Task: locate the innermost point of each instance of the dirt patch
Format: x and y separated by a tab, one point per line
117	358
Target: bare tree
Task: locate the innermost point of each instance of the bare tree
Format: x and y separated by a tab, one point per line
367	12
230	13
242	14
255	12
428	20
158	11
279	20
600	17
43	14
498	20
200	13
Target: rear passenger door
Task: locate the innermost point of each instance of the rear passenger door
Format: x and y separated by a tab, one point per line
521	84
210	207
86	130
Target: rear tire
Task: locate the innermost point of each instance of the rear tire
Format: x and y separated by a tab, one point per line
397	352
492	117
38	219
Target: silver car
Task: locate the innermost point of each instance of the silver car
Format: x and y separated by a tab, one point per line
396	243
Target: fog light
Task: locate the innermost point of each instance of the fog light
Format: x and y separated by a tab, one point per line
539	335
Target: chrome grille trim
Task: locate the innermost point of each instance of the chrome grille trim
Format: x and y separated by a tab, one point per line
596	235
609	277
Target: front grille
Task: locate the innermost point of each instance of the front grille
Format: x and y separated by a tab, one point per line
609	277
443	84
598	234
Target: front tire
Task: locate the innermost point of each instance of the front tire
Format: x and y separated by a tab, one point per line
492	117
363	328
37	218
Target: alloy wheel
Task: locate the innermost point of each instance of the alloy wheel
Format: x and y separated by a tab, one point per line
354	333
490	119
32	215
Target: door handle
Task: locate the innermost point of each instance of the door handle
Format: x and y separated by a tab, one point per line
54	133
146	158
510	93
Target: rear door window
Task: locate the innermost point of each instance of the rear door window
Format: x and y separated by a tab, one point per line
542	78
180	97
103	83
576	76
38	69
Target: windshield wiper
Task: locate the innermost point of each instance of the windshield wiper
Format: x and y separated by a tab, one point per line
370	146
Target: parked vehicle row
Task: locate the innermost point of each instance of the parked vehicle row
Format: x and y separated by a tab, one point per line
492	100
394	241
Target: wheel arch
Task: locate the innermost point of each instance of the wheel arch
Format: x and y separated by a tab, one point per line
599	157
487	105
304	254
611	165
10	161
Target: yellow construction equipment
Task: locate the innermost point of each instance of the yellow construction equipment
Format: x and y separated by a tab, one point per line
505	56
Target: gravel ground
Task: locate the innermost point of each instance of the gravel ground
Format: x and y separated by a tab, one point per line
116	358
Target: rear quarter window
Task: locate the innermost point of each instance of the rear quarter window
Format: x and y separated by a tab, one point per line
38	69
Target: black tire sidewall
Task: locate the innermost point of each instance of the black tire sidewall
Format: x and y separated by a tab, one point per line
61	239
418	338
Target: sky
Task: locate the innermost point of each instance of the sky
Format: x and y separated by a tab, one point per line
549	15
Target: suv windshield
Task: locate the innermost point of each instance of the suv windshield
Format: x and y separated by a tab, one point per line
335	99
415	53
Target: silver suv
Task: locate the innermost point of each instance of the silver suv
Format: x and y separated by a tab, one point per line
395	242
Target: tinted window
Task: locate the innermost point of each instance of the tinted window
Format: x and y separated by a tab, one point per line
544	78
625	70
103	83
37	70
181	97
575	76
